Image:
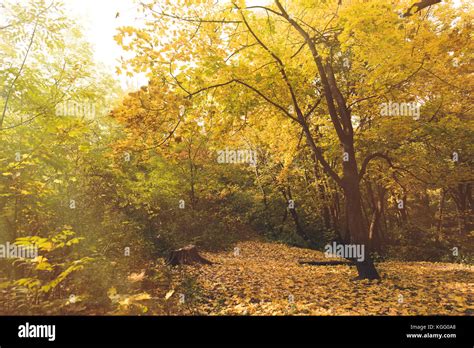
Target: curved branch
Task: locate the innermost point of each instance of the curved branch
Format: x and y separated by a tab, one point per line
384	156
366	161
254	89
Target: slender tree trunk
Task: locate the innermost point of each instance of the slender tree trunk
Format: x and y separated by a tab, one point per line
299	228
462	196
322	191
294	215
381	191
285	215
374	227
440	214
403	211
264	196
336	213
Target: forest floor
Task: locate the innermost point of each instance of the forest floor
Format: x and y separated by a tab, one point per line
267	279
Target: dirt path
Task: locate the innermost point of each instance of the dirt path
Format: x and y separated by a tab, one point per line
266	279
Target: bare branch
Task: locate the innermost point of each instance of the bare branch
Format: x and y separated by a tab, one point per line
420	6
366	161
254	89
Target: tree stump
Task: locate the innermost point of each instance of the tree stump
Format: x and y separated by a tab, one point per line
186	256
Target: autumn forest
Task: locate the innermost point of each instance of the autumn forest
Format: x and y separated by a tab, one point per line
280	157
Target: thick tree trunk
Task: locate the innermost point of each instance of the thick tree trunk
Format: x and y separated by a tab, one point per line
355	219
359	235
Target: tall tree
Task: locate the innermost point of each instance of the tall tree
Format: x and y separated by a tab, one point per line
293	58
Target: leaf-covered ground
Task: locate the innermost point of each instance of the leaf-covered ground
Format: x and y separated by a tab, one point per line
266	279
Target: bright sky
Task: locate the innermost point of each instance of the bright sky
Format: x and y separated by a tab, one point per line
97	17
98	20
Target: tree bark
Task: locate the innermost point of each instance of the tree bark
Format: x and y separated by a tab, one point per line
440	214
462	196
186	256
322	191
376	238
357	229
294	215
